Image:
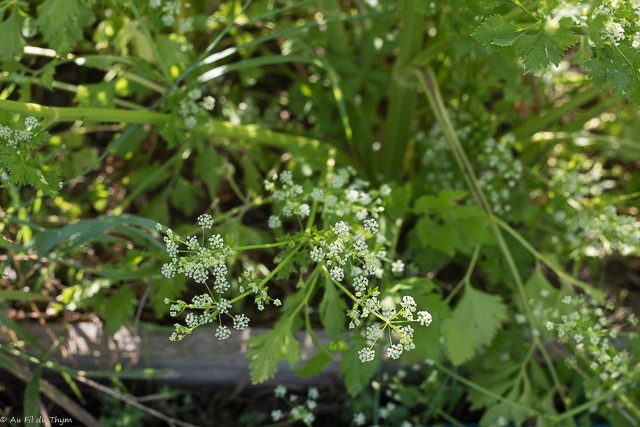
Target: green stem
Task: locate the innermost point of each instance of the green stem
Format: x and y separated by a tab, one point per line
483	390
264	246
213	127
272	273
467	276
432	91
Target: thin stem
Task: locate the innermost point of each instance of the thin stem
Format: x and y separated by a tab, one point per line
432	92
264	246
273	272
483	390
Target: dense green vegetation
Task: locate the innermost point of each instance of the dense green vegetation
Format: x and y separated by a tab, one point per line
442	195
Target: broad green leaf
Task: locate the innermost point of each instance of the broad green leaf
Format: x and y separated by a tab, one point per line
265	351
496	30
449	226
356	374
12	40
332	311
32	399
119	309
315	365
474	323
62	22
83	231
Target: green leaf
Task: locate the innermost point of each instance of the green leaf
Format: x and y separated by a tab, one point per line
265	351
81	232
315	365
332	311
448	226
32	399
12	40
474	323
119	309
546	47
166	288
208	168
22	296
496	30
62	22
185	196
437	236
356	374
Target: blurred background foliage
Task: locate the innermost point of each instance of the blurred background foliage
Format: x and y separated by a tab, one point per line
157	111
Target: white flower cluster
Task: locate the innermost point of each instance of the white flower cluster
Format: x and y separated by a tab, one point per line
594	229
588	330
501	171
170	13
621	21
15	137
301	410
393	321
345	197
200	262
289	196
190	109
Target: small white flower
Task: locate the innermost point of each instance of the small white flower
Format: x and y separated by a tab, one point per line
208	103
371	225
304	210
359	419
280	391
222	333
424	318
286	177
366	355
337	273
277	302
168	270
205	221
274	222
240	322
394	351
317	254
317	194
313	393
397	267
276	415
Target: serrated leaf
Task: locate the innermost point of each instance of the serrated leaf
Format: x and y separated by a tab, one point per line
437	236
356	374
265	351
332	311
496	30
12	40
546	47
119	309
474	323
62	22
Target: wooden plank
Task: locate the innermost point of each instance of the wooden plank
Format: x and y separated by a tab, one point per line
198	360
